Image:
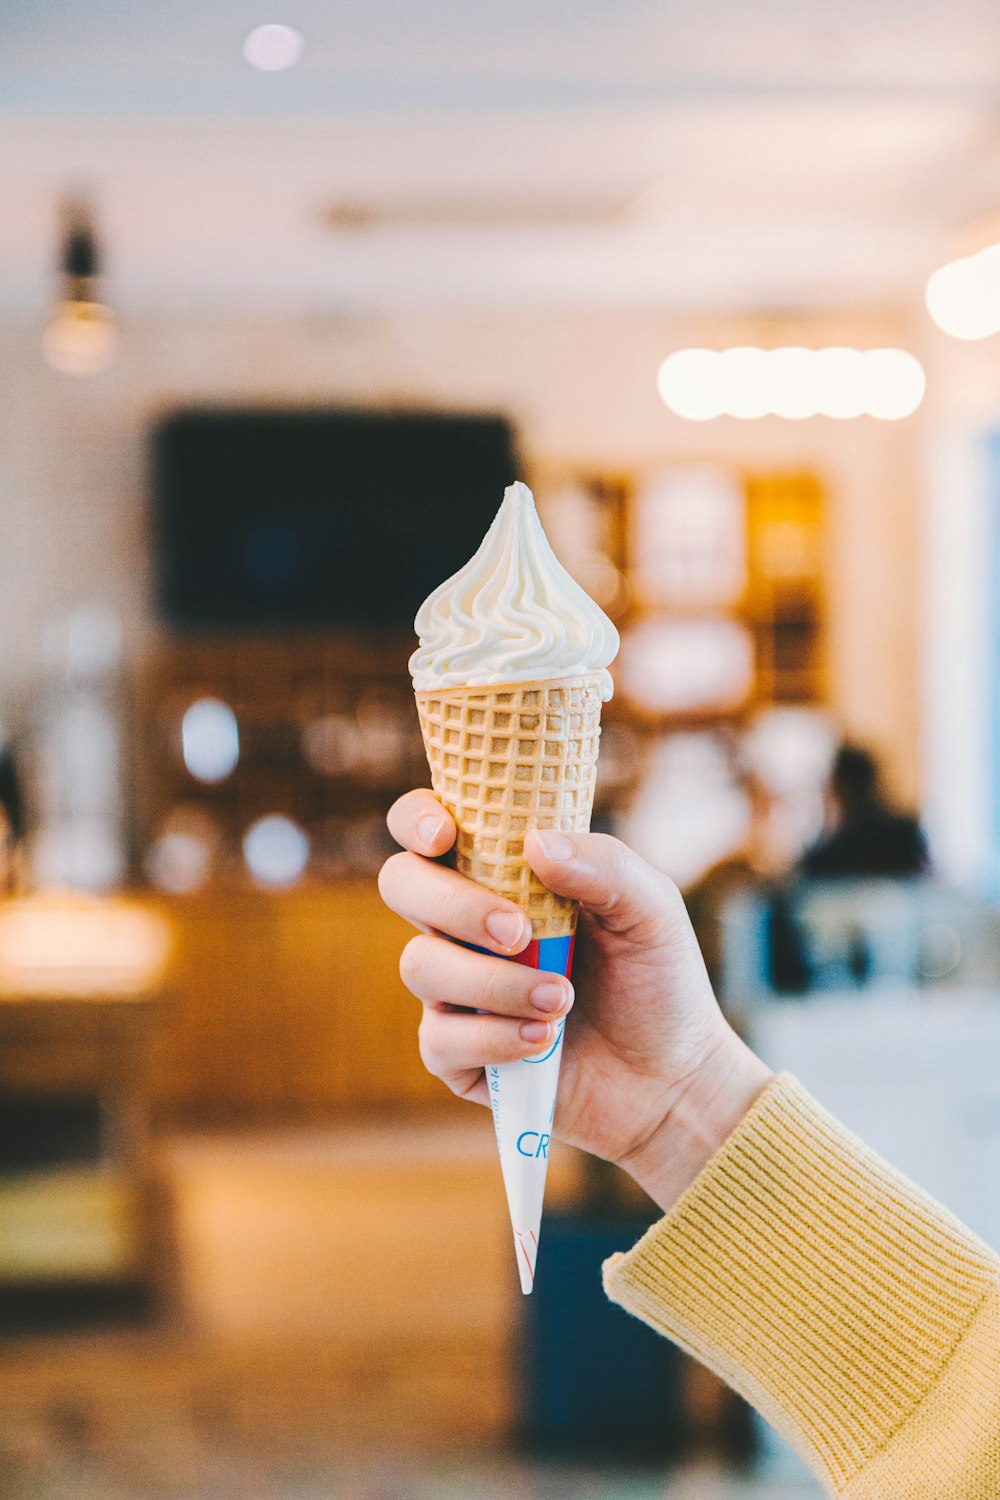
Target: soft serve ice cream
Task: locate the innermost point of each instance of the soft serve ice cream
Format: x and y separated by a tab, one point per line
510	675
512	614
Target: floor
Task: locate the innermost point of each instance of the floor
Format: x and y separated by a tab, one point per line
345	1328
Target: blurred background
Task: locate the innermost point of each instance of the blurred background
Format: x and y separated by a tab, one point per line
287	296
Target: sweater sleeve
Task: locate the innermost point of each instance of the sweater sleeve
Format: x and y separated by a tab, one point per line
858	1316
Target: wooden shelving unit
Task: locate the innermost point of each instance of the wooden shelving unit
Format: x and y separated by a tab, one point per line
784	606
283	689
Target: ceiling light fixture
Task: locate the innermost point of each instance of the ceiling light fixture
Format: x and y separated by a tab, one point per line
793	383
81	337
273	48
963	297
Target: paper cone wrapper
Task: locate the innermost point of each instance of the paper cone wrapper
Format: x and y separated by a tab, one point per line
505	759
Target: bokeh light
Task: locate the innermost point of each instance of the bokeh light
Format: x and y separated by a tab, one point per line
744	374
792	383
210	740
276	851
333	745
81	339
793	392
690	385
273	47
838	381
963	297
895	384
183	856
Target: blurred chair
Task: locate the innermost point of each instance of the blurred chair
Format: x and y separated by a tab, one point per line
813	937
593	1383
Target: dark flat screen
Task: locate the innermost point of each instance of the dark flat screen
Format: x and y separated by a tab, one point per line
319	517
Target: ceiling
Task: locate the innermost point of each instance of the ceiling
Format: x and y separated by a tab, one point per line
694	154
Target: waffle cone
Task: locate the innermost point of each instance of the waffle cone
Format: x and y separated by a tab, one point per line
508	758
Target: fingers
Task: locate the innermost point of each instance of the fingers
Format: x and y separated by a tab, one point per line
436	899
625	894
441	974
456	1048
527	1011
419	822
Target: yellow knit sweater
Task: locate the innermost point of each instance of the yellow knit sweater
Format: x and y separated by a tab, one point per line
852	1310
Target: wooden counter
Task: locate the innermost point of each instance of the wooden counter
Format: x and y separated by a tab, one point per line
287	1006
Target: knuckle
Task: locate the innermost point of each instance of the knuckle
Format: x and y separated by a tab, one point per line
385	877
667	900
459	899
388	876
617	877
413	964
426	1044
496	989
638	897
622	861
614	859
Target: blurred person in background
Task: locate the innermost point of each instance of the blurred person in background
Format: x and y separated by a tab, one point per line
12	817
868	837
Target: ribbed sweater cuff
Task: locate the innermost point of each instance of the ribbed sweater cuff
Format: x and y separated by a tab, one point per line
815	1279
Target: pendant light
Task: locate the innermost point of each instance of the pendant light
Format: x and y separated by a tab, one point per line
82	336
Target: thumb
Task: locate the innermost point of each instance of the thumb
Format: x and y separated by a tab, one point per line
626	895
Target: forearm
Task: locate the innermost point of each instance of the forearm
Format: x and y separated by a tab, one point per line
852	1310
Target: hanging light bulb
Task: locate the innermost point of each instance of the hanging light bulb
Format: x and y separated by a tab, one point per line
81	337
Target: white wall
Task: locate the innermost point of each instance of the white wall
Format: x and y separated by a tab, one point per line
582	387
960	611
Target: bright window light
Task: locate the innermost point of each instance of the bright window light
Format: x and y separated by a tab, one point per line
273	47
276	851
210	740
793	383
963	297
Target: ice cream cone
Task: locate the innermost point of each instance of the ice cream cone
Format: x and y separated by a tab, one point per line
505	759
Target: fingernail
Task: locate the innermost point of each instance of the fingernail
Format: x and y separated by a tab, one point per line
505	927
535	1031
551	997
556	845
428	828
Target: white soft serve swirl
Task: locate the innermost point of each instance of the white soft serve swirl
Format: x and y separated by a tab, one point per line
512	614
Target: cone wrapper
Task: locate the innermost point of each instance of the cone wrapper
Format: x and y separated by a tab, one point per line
523	1101
505	759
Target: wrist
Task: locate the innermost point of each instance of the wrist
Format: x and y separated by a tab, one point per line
705	1113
